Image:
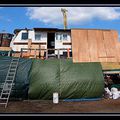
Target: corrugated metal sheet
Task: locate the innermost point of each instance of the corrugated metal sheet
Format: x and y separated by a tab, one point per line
95	45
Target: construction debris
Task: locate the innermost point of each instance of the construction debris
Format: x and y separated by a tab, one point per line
113	93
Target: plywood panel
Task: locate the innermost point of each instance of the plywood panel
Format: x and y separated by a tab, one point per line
115	35
42	52
16	54
75	45
95	45
100	46
110	65
118	50
92	44
116	40
83	53
35	46
29	43
5	48
109	46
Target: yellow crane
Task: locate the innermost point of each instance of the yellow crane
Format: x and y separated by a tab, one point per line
64	11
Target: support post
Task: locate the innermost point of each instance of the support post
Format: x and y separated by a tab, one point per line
58	54
46	53
21	52
68	52
9	53
35	53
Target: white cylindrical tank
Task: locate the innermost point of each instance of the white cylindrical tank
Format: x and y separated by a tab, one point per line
55	98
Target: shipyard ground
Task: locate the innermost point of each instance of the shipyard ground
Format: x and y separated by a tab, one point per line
101	106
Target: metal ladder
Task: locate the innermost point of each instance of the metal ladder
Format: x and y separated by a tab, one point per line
8	84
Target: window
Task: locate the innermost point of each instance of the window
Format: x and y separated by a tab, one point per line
61	36
58	36
5	36
37	36
24	36
64	36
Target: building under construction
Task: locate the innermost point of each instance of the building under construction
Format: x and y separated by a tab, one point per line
84	45
80	59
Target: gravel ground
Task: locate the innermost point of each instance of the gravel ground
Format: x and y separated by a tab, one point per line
101	106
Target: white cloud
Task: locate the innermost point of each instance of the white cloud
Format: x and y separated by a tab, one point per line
76	15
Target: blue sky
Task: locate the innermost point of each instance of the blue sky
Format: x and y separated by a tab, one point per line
51	17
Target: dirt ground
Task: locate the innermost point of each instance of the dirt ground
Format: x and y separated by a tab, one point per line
100	106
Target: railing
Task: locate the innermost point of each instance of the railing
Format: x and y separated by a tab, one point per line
45	52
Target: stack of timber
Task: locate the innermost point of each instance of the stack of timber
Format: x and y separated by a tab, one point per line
34	51
110	65
5	48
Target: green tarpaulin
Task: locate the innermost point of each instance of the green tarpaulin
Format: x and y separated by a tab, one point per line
70	80
20	89
39	79
116	86
4	53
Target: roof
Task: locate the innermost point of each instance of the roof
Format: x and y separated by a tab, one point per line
57	30
43	29
50	29
5	33
18	30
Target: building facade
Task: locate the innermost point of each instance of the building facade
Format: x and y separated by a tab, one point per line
5	39
46	38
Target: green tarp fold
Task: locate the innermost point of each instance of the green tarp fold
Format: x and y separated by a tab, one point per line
70	80
39	79
44	79
21	86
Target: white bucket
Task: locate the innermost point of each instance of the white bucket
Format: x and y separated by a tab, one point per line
55	98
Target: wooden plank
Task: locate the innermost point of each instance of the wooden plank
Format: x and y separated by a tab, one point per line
16	54
93	48
66	43
35	46
75	44
29	43
109	46
83	53
110	65
5	48
42	52
95	45
100	46
118	50
117	44
26	43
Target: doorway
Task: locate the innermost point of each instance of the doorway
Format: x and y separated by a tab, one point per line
51	42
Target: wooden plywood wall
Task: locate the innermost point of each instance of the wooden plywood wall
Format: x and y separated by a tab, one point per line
95	45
